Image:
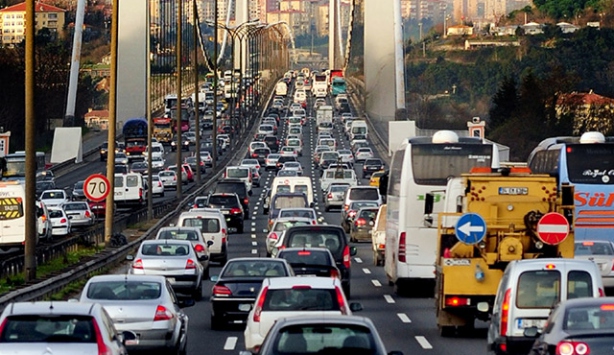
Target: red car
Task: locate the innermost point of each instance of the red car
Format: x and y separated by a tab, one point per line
99	208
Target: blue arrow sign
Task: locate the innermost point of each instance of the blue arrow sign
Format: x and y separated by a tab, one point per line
470	228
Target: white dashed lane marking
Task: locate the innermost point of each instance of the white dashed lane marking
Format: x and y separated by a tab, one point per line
254	244
423	342
403	317
254	251
389	299
366	271
231	343
376	283
253	236
358	260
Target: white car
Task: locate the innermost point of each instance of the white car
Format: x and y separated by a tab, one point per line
255	145
296	144
251	163
168	178
279	226
224	140
288	152
346	156
53	198
266	129
282	297
60	224
293	165
157	188
601	252
157	162
121	158
206	157
363	154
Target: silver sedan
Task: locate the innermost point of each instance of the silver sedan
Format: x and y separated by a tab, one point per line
174	259
79	214
145	305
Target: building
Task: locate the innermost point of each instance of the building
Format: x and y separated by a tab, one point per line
97	119
460	30
12	21
589	111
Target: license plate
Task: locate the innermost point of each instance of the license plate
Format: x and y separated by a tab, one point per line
225	212
170	279
338	198
527	323
245	307
118	194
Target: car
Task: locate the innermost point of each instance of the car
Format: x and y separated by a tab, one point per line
121	168
284	159
602	253
293	165
121	158
294	296
144	305
299	212
267	129
371	166
251	163
60	327
235	186
362	193
576	326
213	227
139	167
261	154
206	157
79	213
322	236
349	214
185	144
44	185
362	154
230	206
235	289
194	236
323	334
157	187
157	163
279	226
184	173
77	191
360	230
60	224
255	176
271	161
272	143
174	259
287	151
310	261
54	197
99	209
346	156
333	196
297	144
259	137
253	146
191	161
168	178
287	173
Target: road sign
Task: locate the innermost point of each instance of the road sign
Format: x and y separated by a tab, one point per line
96	187
470	228
553	228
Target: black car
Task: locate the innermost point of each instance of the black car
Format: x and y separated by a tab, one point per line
370	166
310	261
272	142
139	167
230	206
235	289
121	169
261	154
104	150
235	186
77	191
207	145
284	159
185	144
325	236
44	185
191	161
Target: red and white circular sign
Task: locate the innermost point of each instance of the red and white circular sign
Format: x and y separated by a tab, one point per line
553	228
96	187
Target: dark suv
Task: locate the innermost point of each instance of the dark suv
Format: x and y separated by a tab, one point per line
370	166
235	186
231	208
272	142
104	150
324	236
284	159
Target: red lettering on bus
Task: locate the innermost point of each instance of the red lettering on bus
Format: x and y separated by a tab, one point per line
596	199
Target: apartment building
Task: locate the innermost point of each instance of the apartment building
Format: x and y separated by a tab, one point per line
12	21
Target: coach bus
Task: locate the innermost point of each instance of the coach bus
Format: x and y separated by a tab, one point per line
419	166
587	163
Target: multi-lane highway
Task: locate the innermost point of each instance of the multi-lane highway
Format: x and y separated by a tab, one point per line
406	324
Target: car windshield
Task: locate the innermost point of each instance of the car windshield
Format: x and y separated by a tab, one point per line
206	225
75	206
53	195
55	328
56	214
288	202
179	234
339	188
283	225
223	201
124	290
364	194
253	268
324	338
306	257
238	188
164	249
237	173
315	239
593	248
303	299
296	213
361	204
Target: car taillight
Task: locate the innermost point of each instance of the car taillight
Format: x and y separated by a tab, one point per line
314	222
137	264
246	201
402	246
162	314
330	195
360	222
345	207
44	218
259	304
352	214
199	248
273	236
175	178
567	347
159	183
87	214
235	210
335	274
346	257
505	312
221	291
454	301
340	300
601	292
103	349
63	220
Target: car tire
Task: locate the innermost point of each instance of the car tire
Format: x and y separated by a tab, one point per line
206	273
240	228
197	294
327	208
216	323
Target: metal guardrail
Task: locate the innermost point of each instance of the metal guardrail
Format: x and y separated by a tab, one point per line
111	257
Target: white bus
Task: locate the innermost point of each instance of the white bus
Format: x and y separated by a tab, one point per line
419	166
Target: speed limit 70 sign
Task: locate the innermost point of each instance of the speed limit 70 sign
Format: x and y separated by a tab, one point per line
96	187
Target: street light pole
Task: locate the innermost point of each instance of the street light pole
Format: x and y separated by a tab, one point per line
196	89
215	84
178	53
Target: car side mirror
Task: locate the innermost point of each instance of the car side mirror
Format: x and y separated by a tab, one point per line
353	251
355	306
531	332
186	302
129	257
214	278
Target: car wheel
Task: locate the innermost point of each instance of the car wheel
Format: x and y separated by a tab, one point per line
240	228
326	209
198	293
206	273
216	323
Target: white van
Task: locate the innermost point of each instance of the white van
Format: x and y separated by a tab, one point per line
130	189
281	88
157	150
528	291
292	184
359	128
212	226
243	173
378	237
338	176
12	215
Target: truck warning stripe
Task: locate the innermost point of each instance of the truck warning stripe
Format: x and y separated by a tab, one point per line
10	214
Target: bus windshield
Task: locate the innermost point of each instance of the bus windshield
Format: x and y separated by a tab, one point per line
434	164
590	163
14	168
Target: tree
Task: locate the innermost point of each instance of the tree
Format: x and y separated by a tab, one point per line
504	103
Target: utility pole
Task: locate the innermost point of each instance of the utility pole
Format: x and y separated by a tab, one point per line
178	72
215	84
150	214
31	236
197	90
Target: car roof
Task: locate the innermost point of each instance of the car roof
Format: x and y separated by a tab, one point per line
128	277
179	228
173	241
292	219
587	301
286	282
50	307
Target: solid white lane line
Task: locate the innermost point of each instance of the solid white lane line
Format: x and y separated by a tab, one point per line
231	343
376	283
366	271
423	342
403	317
358	260
389	299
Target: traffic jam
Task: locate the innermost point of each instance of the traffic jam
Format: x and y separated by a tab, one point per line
290	252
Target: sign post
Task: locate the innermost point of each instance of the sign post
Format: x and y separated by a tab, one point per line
96	187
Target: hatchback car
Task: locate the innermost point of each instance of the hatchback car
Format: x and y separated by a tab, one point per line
235	289
60	224
371	166
360	229
168	178
333	196
174	259
194	236
293	165
251	163
310	261
77	191
53	198
279	226
363	154
157	187
602	253
139	167
142	304
294	296
41	186
349	215
230	206
121	158
271	161
79	213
